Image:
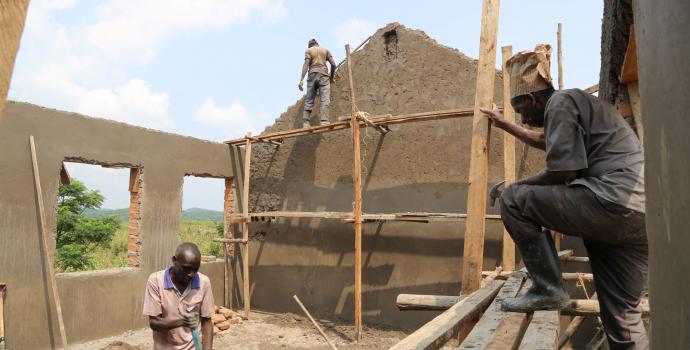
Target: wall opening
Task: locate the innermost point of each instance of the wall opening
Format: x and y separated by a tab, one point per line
98	216
206	203
390	40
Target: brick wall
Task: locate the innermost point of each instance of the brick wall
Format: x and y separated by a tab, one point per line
133	239
228	209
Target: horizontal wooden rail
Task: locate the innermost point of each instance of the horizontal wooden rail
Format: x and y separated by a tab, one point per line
347	217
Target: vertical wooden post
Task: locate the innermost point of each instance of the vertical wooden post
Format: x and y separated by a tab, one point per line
560	56
473	254
559	35
357	210
508	156
46	246
245	224
228	207
12	18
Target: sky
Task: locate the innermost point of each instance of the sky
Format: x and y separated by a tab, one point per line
215	69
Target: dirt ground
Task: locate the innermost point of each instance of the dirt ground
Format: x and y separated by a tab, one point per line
268	331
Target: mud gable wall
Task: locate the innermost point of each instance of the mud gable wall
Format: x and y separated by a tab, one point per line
101	303
417	167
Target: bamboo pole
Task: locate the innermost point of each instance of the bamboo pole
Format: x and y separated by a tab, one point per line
508	156
473	253
245	225
313	321
46	246
357	210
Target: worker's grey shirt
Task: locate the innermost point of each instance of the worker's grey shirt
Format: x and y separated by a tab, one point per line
590	137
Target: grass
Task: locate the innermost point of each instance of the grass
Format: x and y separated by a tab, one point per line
195	231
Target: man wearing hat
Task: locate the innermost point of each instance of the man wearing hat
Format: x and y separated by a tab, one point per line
315	63
592	187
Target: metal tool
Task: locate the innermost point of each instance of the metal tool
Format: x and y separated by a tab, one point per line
495	192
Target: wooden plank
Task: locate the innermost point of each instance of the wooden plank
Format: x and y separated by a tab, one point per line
559	37
378	120
542	332
426	302
245	225
46	243
629	69
508	253
12	18
348	217
483	331
134	174
635	104
357	210
509	332
438	331
473	253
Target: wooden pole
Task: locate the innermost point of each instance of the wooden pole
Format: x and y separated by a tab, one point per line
473	253
357	210
46	246
12	18
559	35
313	321
245	225
508	156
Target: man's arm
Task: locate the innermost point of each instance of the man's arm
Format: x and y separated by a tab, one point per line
535	139
207	333
545	177
333	66
158	323
305	68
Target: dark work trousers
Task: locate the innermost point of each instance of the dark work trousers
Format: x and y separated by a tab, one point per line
616	242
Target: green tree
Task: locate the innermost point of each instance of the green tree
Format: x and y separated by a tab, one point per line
77	235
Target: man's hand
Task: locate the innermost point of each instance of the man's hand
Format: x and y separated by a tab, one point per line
190	320
495	116
300	86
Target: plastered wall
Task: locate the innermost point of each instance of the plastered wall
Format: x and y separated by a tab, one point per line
101	303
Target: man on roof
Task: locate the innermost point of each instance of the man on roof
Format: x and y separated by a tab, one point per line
592	187
315	58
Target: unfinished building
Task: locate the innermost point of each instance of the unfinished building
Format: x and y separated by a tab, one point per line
418	167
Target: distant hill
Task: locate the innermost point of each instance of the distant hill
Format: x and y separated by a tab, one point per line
187	214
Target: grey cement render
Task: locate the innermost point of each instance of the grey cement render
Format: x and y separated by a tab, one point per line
417	167
102	303
663	52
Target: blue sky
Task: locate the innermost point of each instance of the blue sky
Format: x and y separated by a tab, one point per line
215	69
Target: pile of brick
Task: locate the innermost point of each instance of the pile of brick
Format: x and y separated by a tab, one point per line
223	319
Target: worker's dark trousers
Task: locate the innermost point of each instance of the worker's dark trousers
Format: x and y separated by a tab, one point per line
616	242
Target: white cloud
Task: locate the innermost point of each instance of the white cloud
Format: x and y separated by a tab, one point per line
234	117
354	31
133	30
133	103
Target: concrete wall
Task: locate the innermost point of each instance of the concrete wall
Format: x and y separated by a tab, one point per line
95	304
663	52
418	167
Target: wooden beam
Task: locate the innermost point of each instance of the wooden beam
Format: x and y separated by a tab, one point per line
381	120
12	18
46	244
483	331
570	330
231	240
357	210
575	258
438	331
473	253
590	307
347	217
426	302
508	254
629	68
559	37
273	142
542	332
245	225
383	130
592	89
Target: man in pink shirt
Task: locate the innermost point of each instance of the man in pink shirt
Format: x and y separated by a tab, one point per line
176	299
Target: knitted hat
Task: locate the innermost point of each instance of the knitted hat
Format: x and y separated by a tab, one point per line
530	71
